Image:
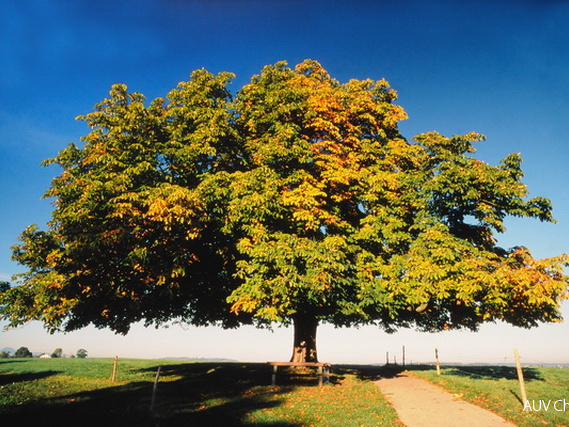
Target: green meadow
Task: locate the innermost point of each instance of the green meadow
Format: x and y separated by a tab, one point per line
80	392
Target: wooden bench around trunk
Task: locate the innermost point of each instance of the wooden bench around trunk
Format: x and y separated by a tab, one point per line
323	369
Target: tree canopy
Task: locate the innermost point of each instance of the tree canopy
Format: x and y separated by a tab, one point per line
295	201
23	352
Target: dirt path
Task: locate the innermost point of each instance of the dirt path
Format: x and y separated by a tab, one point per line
420	404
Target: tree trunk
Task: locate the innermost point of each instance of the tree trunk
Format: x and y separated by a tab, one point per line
304	346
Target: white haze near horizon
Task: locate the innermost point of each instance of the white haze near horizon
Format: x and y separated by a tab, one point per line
493	343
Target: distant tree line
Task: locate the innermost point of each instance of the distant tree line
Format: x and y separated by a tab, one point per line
24	352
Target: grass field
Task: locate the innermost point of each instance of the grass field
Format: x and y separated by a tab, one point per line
79	392
66	392
497	389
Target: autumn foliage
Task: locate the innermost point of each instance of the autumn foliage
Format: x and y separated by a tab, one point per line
297	201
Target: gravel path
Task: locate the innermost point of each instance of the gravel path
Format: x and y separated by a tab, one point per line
421	404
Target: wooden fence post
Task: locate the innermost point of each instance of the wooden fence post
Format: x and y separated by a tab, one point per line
274	375
438	362
154	390
520	376
115	367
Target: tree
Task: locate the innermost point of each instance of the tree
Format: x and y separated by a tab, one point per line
297	202
4	355
81	353
23	352
57	353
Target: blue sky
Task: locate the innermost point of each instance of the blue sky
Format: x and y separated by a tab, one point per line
495	67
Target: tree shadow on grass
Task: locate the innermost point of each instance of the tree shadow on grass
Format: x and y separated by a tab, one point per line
29	376
494	372
196	394
6	361
376	372
363	372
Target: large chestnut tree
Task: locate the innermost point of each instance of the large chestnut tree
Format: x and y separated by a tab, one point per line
297	201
